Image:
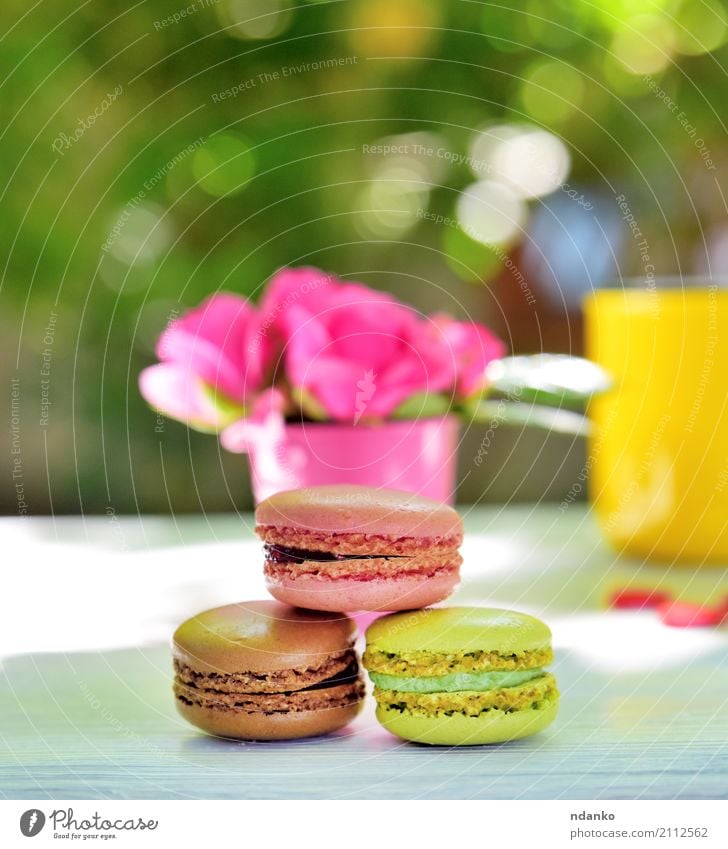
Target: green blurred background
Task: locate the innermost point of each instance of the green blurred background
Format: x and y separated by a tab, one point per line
471	157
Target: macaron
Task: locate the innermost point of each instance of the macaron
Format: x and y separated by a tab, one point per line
357	548
260	670
461	676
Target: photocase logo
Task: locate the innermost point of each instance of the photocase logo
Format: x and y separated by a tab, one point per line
64	824
32	822
367	387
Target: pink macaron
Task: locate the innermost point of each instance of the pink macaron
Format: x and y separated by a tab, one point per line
348	548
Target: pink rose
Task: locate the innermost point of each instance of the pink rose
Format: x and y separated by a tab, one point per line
473	346
213	359
350	351
340	351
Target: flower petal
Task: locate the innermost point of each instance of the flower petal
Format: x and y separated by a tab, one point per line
472	346
305	286
172	390
265	423
213	342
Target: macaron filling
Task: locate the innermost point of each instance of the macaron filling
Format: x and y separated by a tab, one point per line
457	682
350	675
223	692
275	553
355	556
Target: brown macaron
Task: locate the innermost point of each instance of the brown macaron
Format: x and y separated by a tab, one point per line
261	670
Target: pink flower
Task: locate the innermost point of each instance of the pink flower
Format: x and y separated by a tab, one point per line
212	359
350	352
339	351
473	346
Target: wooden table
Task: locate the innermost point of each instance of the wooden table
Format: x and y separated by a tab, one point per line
86	691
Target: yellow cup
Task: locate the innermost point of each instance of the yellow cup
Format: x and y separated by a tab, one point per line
658	454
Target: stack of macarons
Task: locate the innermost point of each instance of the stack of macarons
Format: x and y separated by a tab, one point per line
283	669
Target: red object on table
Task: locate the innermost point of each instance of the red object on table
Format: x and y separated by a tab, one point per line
683	614
639	599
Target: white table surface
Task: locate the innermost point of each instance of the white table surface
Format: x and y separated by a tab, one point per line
85	692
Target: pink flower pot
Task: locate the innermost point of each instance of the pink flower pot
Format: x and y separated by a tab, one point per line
416	456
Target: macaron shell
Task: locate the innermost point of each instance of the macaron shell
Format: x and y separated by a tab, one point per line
459	629
347	509
459	730
406	592
274	726
423	663
260	637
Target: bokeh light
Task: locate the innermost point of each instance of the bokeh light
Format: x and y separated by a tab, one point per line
491	212
700	26
255	19
402	28
144	233
125	278
391	203
224	164
644	43
533	162
618	79
571	248
551	91
422	153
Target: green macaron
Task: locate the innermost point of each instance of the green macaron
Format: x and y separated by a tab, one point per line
461	676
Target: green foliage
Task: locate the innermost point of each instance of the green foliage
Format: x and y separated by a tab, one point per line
225	157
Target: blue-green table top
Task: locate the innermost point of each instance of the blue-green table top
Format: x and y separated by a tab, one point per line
85	690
